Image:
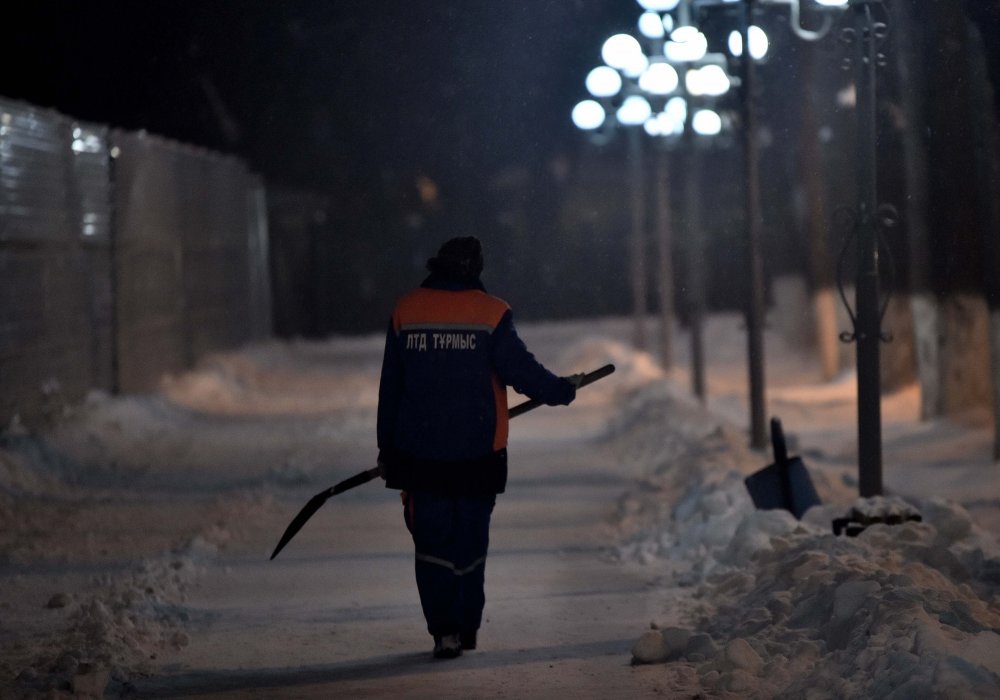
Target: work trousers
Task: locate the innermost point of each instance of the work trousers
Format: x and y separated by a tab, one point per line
450	536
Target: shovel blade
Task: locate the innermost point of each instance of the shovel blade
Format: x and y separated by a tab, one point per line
310	508
769	491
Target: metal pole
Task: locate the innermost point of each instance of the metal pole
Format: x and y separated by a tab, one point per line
755	297
666	263
867	290
114	267
637	243
696	266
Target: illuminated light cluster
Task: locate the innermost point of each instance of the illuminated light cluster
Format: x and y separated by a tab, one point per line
659	79
706	122
669	122
604	81
759	43
589	115
625	60
650	25
622	51
635	110
653	26
658	5
686	45
711	80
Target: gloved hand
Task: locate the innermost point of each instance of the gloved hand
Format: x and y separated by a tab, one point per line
576	379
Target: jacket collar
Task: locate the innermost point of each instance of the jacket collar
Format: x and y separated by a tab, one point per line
435	281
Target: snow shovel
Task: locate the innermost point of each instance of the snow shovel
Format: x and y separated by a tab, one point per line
317	501
784	484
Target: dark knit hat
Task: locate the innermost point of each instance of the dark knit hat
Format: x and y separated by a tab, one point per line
460	258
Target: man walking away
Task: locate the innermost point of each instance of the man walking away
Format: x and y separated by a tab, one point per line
450	352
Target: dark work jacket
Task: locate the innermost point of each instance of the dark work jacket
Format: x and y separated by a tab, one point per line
450	352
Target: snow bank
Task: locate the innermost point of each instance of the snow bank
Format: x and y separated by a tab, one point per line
77	631
786	609
779	607
94	623
281	379
895	612
632	369
113	627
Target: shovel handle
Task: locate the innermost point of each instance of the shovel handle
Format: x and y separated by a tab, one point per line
588	378
778	443
320	498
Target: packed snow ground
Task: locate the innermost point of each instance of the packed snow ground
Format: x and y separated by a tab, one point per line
112	521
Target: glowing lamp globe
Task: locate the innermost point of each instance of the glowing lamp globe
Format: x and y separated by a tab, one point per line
588	115
604	81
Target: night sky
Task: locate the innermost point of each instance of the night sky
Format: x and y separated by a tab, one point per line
307	91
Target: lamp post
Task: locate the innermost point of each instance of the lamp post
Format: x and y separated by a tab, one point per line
637	241
704	80
866	33
686	44
868	327
623	55
654	78
747	44
864	36
755	256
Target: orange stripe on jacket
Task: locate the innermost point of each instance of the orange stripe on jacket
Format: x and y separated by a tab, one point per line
470	306
503	420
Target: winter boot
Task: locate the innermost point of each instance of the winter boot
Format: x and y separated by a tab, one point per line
447	646
468	640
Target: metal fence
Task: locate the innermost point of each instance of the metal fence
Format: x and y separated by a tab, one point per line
122	256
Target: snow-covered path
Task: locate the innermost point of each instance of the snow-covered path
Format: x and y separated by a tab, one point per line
336	614
135	536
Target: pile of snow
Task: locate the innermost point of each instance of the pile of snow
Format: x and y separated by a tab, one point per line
632	369
691	501
281	379
82	632
899	611
118	627
783	607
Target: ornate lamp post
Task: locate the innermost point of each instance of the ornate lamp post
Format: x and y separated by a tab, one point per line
867	31
747	44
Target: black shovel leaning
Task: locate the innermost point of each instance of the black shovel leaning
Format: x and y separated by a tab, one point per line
786	483
317	501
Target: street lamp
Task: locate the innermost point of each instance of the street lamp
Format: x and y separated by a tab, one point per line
623	56
864	37
704	78
653	76
758	42
658	5
755	40
684	43
589	115
604	81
